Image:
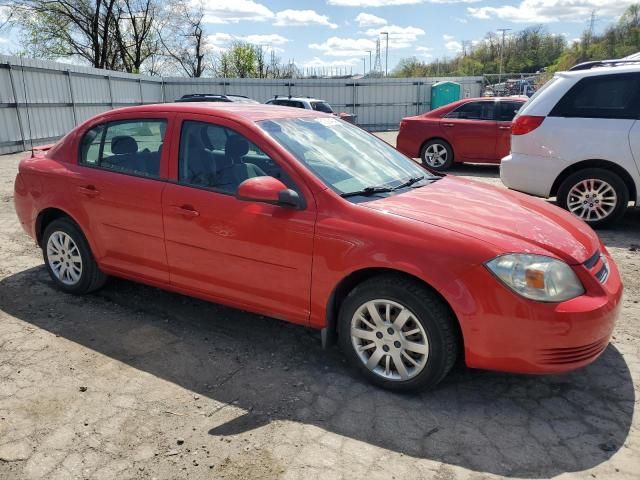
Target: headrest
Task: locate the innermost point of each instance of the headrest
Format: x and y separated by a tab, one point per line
236	147
123	145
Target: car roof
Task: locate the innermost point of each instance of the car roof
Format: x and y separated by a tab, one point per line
308	99
238	111
604	70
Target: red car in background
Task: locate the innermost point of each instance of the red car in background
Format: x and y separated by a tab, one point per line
471	130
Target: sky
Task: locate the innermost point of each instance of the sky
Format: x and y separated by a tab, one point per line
339	33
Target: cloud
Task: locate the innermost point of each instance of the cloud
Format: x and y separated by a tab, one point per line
548	11
220	41
372	3
316	62
271	39
451	44
225	11
301	18
389	3
344	47
368	20
399	37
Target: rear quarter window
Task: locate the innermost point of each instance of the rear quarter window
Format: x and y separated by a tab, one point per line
607	96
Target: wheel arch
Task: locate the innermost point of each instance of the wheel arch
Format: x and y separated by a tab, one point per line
48	215
596	163
348	283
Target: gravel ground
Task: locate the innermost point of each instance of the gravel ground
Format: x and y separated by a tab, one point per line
134	382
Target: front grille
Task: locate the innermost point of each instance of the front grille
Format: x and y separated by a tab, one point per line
564	355
591	261
603	273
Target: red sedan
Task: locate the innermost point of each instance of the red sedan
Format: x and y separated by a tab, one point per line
300	216
471	130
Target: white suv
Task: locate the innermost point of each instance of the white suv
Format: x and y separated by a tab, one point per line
578	139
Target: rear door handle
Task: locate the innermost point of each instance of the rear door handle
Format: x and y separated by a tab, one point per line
504	128
185	210
448	124
89	191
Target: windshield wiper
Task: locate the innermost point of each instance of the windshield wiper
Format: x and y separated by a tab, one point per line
367	191
409	182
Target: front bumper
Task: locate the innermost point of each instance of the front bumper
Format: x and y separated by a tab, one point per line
513	334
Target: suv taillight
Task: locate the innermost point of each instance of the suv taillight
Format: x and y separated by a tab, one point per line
525	124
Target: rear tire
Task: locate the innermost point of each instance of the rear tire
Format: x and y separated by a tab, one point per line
437	155
410	344
597	196
69	260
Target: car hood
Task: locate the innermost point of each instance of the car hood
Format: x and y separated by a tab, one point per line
511	221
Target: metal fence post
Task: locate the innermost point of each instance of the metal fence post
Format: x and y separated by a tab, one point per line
15	99
73	100
110	90
140	85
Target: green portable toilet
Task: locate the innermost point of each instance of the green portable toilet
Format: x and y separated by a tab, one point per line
443	93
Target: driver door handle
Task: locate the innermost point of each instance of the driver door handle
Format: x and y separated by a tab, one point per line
448	124
185	210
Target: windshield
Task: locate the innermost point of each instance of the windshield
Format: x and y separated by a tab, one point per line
322	107
343	156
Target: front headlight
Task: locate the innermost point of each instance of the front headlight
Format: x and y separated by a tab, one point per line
537	277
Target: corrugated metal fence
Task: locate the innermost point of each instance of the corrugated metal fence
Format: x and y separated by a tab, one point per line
40	100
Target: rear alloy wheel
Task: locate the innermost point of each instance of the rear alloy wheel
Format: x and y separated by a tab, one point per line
398	333
437	155
597	196
68	258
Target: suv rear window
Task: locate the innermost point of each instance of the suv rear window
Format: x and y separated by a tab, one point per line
321	107
606	96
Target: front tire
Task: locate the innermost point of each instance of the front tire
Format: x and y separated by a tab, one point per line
437	155
597	196
69	260
398	333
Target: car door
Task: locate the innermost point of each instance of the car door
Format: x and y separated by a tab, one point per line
505	111
118	182
246	254
471	130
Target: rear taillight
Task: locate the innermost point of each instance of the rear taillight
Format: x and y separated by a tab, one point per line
403	123
525	124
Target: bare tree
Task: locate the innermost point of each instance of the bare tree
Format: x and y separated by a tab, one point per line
112	34
183	39
135	32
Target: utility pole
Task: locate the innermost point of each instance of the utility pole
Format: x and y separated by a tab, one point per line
364	66
386	54
370	65
503	30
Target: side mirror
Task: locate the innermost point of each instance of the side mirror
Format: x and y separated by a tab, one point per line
268	190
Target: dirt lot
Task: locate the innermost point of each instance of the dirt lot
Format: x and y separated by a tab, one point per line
134	382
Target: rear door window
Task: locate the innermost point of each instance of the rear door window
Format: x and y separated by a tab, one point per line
606	96
507	110
474	111
127	146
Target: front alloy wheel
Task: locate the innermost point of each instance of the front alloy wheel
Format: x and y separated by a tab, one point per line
398	333
389	340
